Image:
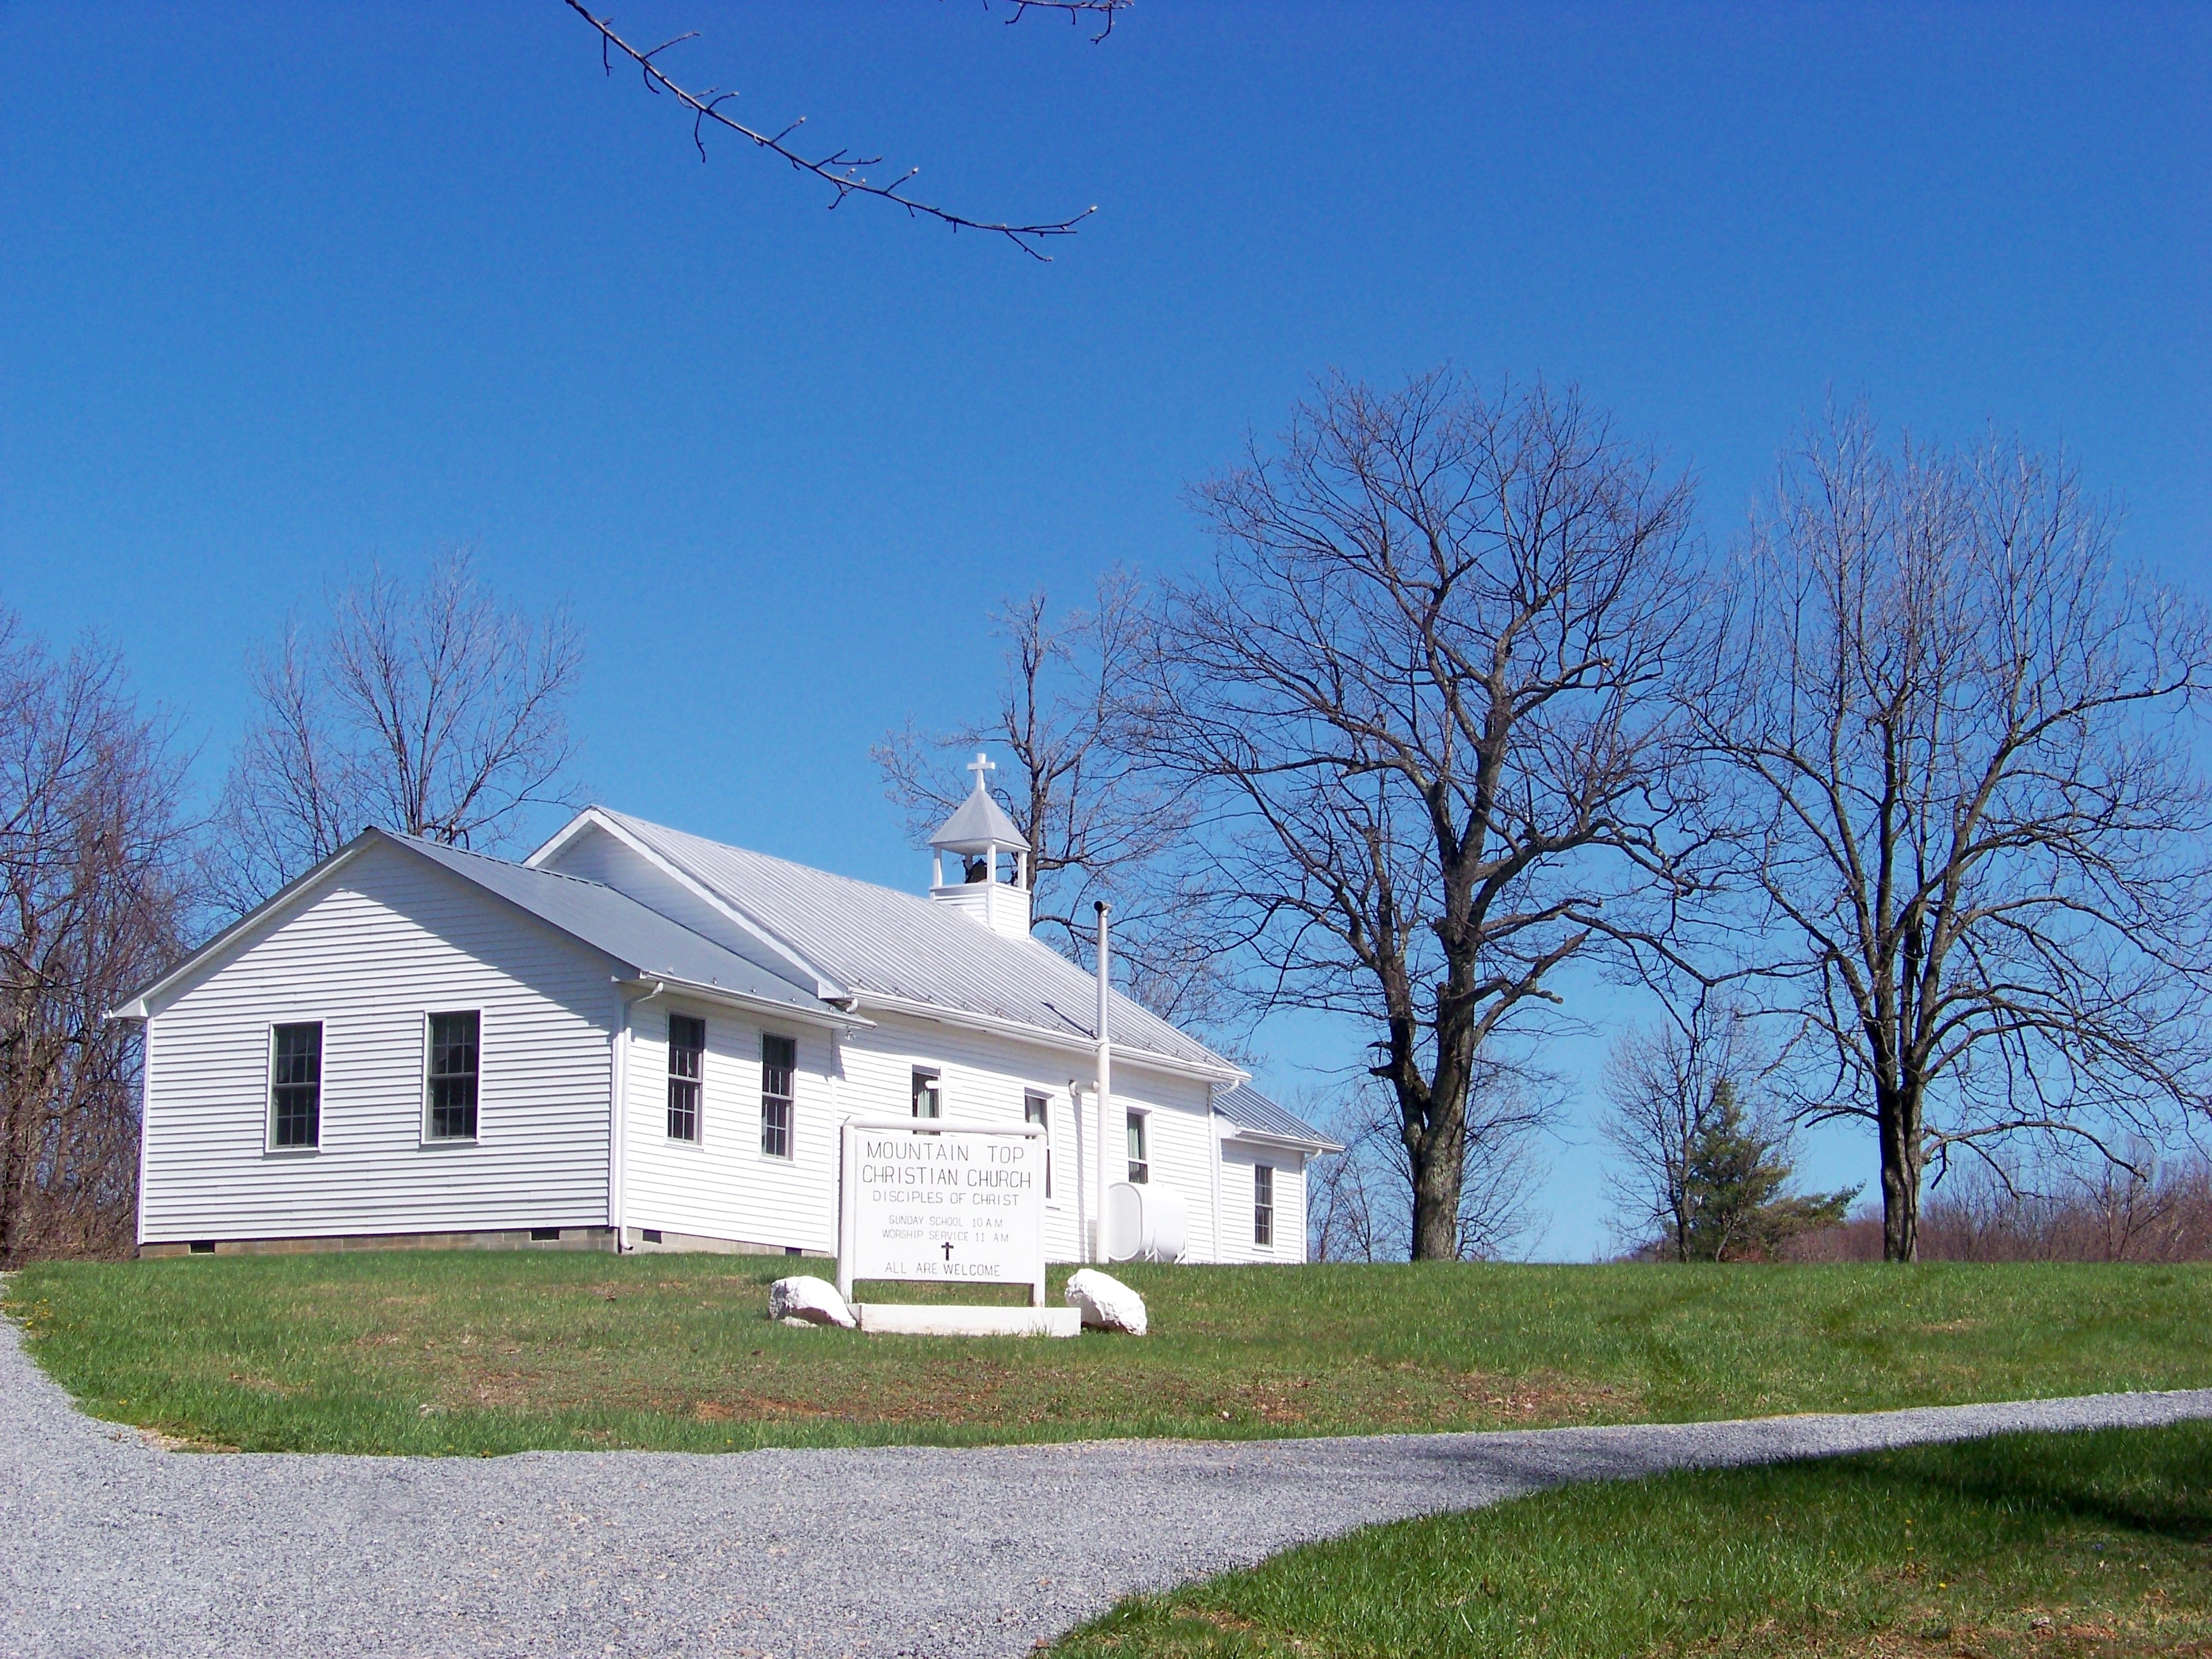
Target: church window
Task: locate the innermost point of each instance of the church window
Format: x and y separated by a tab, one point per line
927	1102
455	1056
1140	1167
295	1087
687	1066
778	1087
1037	1109
1263	1203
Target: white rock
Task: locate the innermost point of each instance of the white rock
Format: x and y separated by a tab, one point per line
1107	1303
814	1300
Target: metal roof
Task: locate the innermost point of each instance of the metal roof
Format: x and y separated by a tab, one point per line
1247	1108
979	823
879	940
613	922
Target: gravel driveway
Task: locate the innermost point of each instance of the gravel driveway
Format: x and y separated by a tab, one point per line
111	1547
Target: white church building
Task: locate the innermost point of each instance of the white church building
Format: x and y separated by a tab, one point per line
638	1039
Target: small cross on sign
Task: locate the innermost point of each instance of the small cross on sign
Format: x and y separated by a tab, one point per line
947	1247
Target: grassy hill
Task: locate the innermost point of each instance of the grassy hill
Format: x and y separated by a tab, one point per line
2045	1545
467	1353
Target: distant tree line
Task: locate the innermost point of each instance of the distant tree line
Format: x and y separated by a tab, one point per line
1891	804
2150	1210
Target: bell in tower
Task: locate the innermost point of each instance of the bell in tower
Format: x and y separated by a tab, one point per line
988	850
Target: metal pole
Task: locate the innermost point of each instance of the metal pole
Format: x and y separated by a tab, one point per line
1105	1074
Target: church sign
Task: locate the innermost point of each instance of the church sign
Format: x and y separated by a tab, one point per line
942	1202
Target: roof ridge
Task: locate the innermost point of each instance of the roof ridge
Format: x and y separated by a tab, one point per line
1010	952
926	906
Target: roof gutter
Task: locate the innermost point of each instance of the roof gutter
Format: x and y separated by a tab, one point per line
1316	1145
835	1019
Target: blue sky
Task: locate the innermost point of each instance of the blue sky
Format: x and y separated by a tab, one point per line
285	288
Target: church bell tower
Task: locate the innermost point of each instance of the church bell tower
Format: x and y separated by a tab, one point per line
987	850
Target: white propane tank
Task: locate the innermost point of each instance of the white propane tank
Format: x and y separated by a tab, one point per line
1124	1217
1144	1223
1167	1224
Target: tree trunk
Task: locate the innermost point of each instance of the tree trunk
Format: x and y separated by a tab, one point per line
1436	1154
1902	1156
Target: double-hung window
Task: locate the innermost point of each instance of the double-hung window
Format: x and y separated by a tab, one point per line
1263	1203
687	1058
456	1053
1140	1167
296	1086
1037	1109
927	1102
778	1087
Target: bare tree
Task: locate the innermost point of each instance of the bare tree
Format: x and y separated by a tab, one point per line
843	171
1660	1082
436	714
1420	701
1096	823
1359	1204
1352	1212
93	878
1957	755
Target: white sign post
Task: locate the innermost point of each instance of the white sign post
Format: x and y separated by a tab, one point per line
942	1202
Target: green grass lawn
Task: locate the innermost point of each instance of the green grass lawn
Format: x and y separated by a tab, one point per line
2048	1545
474	1351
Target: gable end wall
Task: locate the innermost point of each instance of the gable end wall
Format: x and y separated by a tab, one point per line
390	941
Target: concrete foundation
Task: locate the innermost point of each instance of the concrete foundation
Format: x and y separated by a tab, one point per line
925	1319
515	1238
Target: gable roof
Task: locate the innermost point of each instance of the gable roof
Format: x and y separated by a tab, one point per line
1252	1111
642	943
635	934
897	949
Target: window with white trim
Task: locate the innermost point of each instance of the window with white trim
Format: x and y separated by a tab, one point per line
1140	1167
1263	1203
778	1089
456	1055
687	1065
927	1102
296	1086
1037	1109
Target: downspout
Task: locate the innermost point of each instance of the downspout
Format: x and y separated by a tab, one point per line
1075	1179
145	1114
1105	1076
1214	1150
618	1118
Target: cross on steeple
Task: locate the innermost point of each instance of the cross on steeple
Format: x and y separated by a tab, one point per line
979	766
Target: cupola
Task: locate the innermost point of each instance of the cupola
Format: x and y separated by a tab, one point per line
987	850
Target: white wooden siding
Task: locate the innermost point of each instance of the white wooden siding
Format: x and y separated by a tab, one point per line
1238	1160
387	942
985	1080
722	1186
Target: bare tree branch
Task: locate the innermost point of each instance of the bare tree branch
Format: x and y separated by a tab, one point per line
93	889
1098	825
1360	1200
1075	10
840	169
1960	805
434	712
1421	701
